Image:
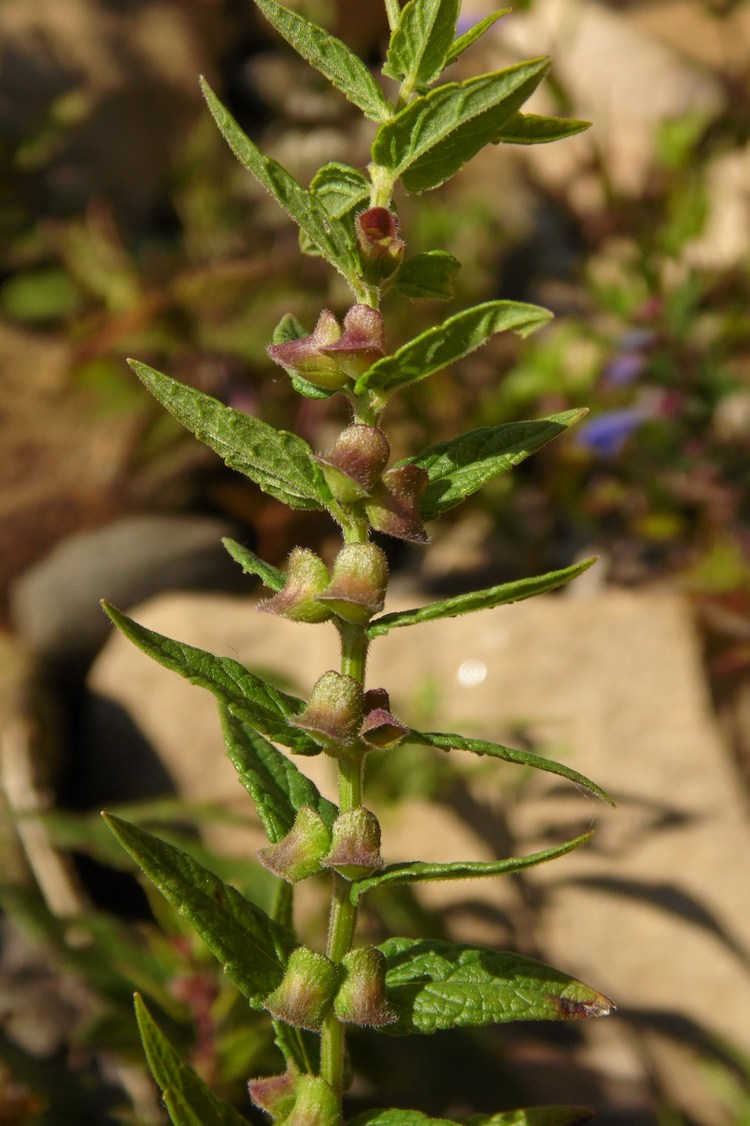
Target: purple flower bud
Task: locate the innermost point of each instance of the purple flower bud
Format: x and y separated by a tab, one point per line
306	355
274	1093
380	728
355	844
307	576
306	991
355	464
394	507
300	853
359	582
361	343
334	711
380	245
361	997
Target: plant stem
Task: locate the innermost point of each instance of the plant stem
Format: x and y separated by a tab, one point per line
343	918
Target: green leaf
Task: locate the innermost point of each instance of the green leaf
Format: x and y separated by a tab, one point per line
419	871
479	599
450	341
340	188
251	564
398	1118
245	695
535	1116
428	275
452	742
434	985
252	948
460	466
429	140
278	462
330	239
420	44
189	1101
476	32
533	129
332	58
277	787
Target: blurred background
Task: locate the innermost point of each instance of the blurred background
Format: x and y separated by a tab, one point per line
128	229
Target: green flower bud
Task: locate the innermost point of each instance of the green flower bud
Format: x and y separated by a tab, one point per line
359	582
355	844
306	991
307	576
274	1093
354	465
361	997
300	853
394	506
315	1104
380	728
334	711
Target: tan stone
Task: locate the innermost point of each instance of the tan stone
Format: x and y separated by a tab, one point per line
656	911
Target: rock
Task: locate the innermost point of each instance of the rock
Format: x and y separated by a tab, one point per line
54	605
655	912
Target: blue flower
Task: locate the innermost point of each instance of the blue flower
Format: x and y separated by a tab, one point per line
607	434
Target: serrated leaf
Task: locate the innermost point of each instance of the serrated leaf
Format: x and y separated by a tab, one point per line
244	694
534	129
340	188
332	58
460	466
420	43
429	140
422	872
252	564
330	238
453	742
428	275
278	462
479	599
444	344
534	1116
251	947
189	1101
277	787
475	32
395	1117
435	985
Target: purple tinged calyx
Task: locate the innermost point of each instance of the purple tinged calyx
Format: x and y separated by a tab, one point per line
331	356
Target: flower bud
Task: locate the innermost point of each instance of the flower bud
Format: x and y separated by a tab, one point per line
359	582
360	344
315	1104
381	248
274	1093
380	728
300	853
334	710
355	844
394	506
354	465
306	355
361	997
307	576
306	991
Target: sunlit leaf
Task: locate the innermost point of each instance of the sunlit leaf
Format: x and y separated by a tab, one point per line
436	985
479	599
